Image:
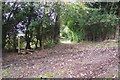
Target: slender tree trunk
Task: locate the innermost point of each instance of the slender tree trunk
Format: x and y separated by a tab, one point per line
36	45
27	35
14	43
4	33
57	23
117	32
40	42
40	38
118	26
37	36
28	43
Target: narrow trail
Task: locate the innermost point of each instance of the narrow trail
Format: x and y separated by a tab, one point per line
83	60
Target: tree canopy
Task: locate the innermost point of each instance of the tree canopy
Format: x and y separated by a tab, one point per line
45	23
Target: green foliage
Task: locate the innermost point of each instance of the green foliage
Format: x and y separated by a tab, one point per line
42	21
74	20
49	44
88	23
41	29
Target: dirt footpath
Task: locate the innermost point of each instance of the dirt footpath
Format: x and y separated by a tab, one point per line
83	60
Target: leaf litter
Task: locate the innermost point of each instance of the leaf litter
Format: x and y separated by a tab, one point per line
83	60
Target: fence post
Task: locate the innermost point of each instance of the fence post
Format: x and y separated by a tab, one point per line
19	51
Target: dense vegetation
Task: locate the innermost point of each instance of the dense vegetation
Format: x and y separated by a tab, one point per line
39	22
93	23
45	23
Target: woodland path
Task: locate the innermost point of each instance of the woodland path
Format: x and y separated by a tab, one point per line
83	60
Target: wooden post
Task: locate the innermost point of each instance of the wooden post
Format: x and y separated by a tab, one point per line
19	42
19	51
117	32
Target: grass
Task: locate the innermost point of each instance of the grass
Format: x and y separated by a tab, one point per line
65	41
47	75
100	44
6	72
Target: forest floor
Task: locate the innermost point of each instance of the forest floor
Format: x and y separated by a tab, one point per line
83	60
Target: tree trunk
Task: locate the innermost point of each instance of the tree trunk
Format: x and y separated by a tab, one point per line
28	44
27	40
27	34
36	45
57	24
3	38
40	38
14	43
117	32
37	36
